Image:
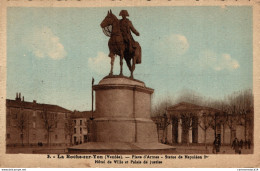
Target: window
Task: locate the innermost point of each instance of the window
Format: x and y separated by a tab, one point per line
75	122
75	130
80	122
8	136
80	130
56	137
21	136
34	125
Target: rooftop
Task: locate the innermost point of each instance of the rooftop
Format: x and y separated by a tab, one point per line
83	114
20	103
184	106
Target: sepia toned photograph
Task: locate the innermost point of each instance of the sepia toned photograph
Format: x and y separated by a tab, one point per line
129	82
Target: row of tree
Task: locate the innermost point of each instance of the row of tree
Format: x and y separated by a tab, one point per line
235	109
49	121
242	100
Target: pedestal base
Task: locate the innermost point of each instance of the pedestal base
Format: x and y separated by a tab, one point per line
122	148
125	130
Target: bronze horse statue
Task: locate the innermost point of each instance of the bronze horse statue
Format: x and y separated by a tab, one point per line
117	46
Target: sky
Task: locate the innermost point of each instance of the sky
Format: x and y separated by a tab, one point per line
53	53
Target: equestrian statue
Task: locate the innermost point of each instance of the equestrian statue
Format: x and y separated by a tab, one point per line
121	41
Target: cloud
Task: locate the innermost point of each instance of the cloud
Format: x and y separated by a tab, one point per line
217	62
175	44
43	43
101	64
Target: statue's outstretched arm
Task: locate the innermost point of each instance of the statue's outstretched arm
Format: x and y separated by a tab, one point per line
133	29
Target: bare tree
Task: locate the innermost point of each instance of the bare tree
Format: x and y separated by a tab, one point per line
231	122
69	127
244	106
49	120
190	96
241	103
165	123
245	119
161	106
162	122
186	125
205	123
21	123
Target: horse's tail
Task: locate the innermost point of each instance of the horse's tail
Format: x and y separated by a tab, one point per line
138	53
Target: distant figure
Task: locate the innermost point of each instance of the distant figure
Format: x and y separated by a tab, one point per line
216	146
165	141
235	146
249	143
241	143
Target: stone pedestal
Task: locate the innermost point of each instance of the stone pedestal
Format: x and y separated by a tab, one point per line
122	119
123	108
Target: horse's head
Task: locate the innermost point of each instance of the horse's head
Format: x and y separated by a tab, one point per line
108	20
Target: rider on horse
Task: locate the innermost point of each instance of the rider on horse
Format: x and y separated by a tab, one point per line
121	42
126	27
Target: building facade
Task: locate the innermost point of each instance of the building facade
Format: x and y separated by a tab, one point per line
32	123
186	123
80	130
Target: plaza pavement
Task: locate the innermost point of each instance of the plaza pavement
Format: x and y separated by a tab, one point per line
180	149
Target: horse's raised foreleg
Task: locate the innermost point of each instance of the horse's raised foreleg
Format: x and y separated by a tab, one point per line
112	64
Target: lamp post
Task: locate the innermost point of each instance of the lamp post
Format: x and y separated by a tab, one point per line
158	124
215	125
92	97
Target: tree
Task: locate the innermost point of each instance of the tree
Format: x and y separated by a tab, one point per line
241	107
205	123
243	101
161	106
234	109
221	118
230	122
21	123
191	96
49	120
69	127
186	125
